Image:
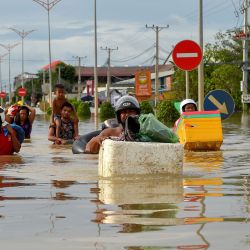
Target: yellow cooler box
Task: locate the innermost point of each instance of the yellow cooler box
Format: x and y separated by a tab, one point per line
200	130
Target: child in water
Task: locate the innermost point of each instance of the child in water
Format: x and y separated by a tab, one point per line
57	104
187	105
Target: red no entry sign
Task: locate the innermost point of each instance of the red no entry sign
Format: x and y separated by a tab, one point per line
2	94
22	92
187	55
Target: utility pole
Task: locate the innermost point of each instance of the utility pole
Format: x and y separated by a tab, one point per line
245	53
79	75
1	84
9	47
108	72
22	34
48	5
201	66
157	29
59	74
95	68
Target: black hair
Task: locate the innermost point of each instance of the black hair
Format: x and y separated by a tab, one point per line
59	86
17	118
67	104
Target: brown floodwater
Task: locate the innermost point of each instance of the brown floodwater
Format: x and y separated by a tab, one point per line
52	199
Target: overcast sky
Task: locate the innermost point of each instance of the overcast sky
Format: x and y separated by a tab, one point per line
121	23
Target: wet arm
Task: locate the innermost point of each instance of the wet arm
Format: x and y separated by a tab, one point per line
32	114
16	144
95	143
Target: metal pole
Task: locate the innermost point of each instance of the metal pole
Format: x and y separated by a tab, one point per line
108	71
9	81
9	47
245	53
79	78
43	93
157	66
1	84
108	76
22	71
48	6
50	74
187	84
59	75
201	66
22	34
157	29
95	68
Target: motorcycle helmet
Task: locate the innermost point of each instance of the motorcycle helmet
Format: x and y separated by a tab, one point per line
126	102
185	102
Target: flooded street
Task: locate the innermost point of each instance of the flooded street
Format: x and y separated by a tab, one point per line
52	199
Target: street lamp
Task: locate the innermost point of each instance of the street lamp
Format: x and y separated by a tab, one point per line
22	34
47	5
95	68
9	47
1	84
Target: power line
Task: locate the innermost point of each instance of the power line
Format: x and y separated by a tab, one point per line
134	57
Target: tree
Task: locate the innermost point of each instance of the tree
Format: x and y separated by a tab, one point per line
227	77
179	85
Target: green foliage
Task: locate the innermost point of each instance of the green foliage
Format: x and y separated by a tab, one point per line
179	85
75	103
67	72
106	111
83	109
166	112
146	107
227	77
49	111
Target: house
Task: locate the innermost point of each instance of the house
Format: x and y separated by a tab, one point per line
117	73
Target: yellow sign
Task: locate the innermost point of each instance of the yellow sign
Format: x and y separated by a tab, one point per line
143	83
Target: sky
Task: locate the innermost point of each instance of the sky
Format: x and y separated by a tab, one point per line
120	23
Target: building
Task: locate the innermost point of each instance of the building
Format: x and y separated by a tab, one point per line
117	73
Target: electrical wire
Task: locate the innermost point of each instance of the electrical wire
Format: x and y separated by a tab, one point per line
133	57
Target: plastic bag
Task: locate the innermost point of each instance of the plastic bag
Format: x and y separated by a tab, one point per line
153	130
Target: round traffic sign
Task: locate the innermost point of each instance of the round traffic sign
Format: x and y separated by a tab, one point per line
22	92
219	100
187	55
3	94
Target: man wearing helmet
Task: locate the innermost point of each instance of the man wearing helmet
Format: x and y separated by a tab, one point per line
187	105
126	106
8	140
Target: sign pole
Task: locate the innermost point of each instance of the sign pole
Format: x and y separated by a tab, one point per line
187	55
201	65
187	84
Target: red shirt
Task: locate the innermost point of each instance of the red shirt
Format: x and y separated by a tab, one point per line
6	146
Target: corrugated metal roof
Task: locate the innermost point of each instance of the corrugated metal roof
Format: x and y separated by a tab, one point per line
121	71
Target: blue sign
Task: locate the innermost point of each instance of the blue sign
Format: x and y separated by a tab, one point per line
219	100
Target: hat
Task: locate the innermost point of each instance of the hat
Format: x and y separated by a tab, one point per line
185	102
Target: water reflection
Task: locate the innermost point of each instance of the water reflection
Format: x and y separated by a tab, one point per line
204	161
142	204
53	199
14	160
62	184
